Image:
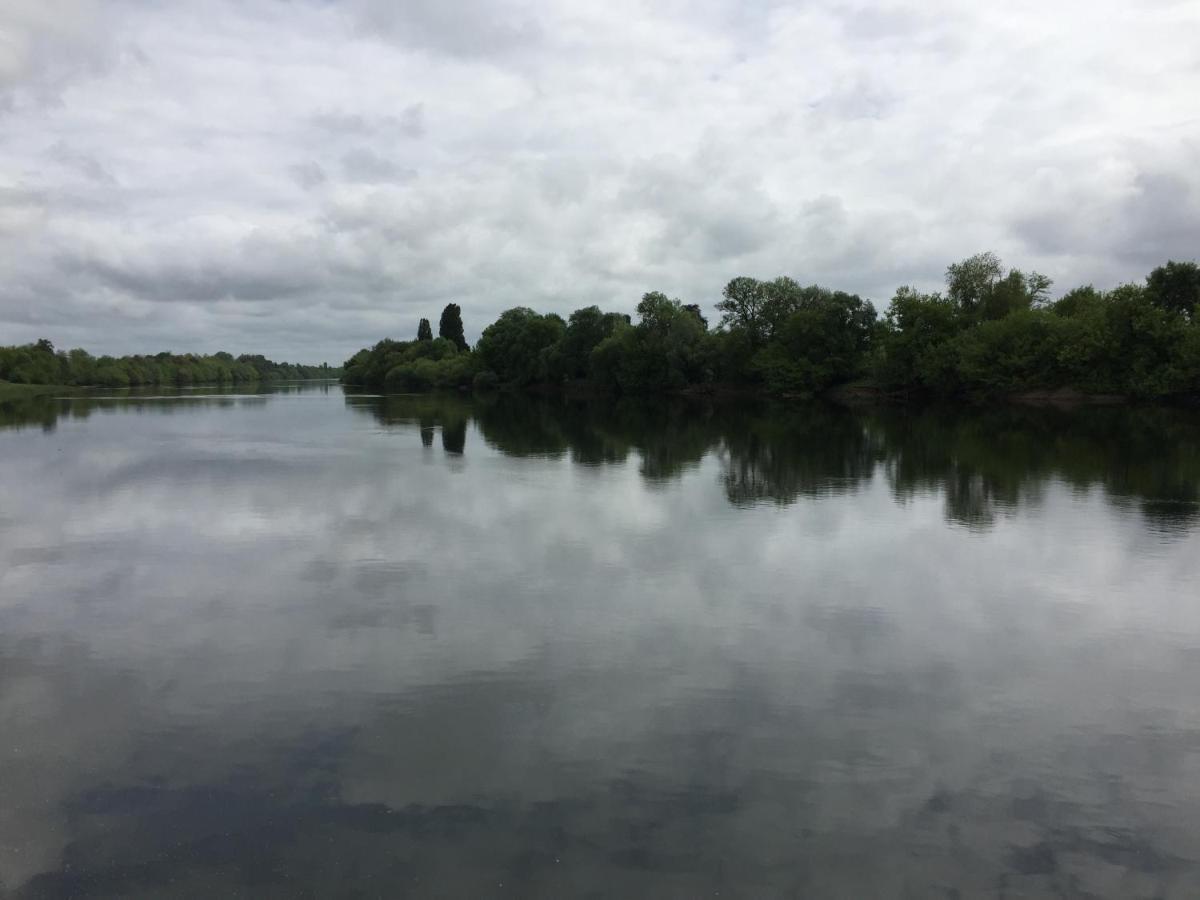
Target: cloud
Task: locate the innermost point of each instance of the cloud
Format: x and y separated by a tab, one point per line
81	163
410	123
459	27
307	174
45	44
1131	217
367	166
389	159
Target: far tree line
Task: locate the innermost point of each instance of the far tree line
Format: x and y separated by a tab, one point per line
992	330
40	363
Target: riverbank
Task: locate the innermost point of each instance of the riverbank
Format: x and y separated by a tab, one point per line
863	394
10	391
866	394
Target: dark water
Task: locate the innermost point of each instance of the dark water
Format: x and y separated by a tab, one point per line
308	644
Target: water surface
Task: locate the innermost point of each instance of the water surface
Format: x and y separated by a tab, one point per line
300	643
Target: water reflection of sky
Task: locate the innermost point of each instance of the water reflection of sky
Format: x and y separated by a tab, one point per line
294	645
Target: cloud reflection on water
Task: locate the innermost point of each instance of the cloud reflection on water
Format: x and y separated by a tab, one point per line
659	650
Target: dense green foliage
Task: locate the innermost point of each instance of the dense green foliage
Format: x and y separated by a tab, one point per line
450	326
40	363
411	366
1175	287
992	332
997	334
517	345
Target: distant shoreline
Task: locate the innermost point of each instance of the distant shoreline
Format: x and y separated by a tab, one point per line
852	394
10	391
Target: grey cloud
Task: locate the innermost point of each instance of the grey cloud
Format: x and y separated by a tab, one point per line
731	237
365	165
45	46
862	99
410	123
255	268
308	174
581	154
21	209
883	24
86	165
1152	218
709	216
1162	218
459	27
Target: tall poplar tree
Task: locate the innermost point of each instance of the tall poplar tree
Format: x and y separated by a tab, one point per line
451	326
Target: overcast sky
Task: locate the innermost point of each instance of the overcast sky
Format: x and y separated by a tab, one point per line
303	178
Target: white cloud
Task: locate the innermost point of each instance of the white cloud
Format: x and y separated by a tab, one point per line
356	166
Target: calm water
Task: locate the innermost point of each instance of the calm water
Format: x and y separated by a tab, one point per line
310	644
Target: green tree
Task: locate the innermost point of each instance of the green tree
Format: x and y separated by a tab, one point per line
969	283
517	346
1126	344
1175	287
451	326
742	308
1020	351
782	298
980	289
1038	286
823	342
1076	301
82	367
694	309
585	329
915	346
424	331
665	351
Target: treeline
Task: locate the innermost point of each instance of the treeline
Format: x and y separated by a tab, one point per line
428	362
40	363
991	331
